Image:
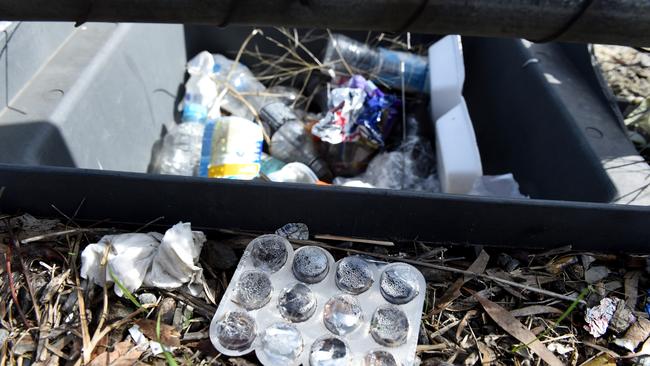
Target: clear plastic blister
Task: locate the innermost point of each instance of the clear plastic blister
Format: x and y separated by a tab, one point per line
319	312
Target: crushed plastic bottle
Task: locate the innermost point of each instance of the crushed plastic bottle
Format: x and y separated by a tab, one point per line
292	142
383	65
180	152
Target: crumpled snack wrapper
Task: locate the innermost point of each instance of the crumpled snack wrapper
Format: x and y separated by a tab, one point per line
164	261
610	313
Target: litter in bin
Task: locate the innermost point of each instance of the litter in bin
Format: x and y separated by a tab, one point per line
283	120
411	166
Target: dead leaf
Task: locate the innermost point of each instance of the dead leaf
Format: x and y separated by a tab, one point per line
54	286
487	354
596	273
623	318
123	354
632	288
463	323
603	359
510	324
453	292
636	334
535	310
169	336
471	359
558	265
499	273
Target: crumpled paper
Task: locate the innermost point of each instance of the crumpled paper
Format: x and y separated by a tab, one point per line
164	261
610	313
598	317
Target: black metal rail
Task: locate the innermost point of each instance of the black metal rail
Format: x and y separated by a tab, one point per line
597	21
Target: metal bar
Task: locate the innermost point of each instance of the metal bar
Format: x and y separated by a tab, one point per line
605	21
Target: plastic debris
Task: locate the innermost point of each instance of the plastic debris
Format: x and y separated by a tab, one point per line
281	344
292	142
180	152
503	185
338	124
598	317
388	67
166	262
410	167
337	331
596	273
358	111
294	173
294	231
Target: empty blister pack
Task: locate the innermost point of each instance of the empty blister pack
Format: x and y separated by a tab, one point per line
302	307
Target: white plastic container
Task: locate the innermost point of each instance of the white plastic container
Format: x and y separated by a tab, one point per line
358	338
446	74
459	161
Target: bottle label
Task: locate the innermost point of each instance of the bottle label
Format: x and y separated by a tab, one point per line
232	150
416	70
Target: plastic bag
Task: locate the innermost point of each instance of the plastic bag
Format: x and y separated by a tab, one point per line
410	167
503	185
151	259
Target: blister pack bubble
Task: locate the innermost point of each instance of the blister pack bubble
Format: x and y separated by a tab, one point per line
301	307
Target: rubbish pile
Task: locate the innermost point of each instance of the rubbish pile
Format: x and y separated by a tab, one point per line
481	305
360	116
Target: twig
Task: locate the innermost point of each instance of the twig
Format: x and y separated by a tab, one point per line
150	223
12	286
443	268
87	351
83	322
26	275
61	233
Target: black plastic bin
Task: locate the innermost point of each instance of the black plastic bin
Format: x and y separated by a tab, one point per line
521	126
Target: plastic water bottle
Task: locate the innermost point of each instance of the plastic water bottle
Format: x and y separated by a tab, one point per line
293	143
378	64
181	150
